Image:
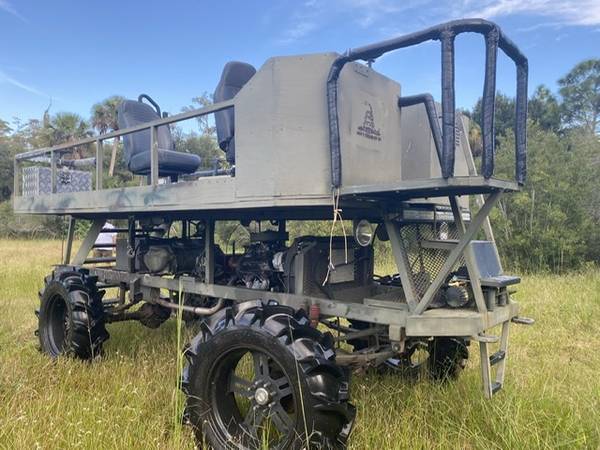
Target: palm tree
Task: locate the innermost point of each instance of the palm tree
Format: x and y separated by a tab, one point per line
65	127
104	120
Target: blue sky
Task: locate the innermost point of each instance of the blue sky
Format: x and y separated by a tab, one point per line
75	53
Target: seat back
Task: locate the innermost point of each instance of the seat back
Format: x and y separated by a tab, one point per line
131	113
235	75
486	259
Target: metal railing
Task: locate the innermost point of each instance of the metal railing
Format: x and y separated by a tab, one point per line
446	34
54	152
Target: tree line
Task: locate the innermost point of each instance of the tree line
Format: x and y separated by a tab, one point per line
552	224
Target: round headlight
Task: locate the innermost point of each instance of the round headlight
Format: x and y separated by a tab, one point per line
363	233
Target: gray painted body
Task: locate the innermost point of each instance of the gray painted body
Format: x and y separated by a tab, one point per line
282	154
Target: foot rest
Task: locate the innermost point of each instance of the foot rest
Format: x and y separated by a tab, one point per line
497	357
523	320
500	281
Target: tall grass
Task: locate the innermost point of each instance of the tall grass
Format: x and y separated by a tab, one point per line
126	399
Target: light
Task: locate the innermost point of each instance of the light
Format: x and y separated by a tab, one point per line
363	233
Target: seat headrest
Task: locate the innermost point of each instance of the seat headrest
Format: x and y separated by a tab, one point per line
235	75
132	112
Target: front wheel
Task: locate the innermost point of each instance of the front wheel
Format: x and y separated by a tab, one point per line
71	317
260	377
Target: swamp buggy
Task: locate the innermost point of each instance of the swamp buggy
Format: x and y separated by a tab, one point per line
311	137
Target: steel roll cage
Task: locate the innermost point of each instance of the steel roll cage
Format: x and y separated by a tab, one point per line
446	34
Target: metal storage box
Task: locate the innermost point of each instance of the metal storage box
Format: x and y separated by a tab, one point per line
38	180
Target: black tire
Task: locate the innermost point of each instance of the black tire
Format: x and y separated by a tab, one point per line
71	317
447	357
291	361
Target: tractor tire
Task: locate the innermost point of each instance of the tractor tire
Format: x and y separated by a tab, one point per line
447	357
295	396
71	317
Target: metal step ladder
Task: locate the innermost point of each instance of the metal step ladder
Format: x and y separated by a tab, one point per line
493	382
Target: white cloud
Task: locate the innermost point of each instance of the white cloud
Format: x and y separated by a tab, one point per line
565	12
297	31
7	7
304	19
312	15
4	78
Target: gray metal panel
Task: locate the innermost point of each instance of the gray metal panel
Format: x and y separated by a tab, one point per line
282	132
419	157
281	129
370	126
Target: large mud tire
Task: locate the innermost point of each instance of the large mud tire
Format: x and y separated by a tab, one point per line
308	392
447	357
71	316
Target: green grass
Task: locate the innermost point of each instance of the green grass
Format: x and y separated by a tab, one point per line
126	400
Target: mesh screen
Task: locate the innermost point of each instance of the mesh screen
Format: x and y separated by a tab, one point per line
426	263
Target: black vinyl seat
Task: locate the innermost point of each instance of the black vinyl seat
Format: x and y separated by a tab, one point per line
235	75
137	145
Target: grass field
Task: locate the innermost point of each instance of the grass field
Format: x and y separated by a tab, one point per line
126	400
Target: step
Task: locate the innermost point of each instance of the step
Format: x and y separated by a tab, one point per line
497	357
523	320
499	281
496	387
486	338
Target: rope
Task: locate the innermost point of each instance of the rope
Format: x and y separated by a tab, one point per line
337	216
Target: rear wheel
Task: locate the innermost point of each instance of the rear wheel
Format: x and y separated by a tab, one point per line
447	357
260	377
71	317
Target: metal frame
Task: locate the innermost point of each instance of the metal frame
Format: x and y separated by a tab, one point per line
390	312
446	34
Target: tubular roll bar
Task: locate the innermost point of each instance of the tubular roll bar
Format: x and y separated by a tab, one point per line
446	34
98	140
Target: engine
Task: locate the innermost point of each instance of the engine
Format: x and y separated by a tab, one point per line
261	266
304	266
266	264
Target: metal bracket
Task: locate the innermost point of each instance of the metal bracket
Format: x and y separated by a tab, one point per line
70	235
88	242
456	253
472	268
401	259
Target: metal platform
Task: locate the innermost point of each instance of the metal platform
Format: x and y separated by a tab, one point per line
218	196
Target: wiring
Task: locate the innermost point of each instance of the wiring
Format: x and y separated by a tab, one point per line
337	216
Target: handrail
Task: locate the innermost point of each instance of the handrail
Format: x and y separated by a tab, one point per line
98	140
446	33
144	126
